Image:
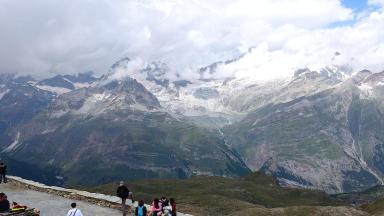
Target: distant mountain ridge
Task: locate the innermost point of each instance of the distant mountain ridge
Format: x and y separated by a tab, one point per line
116	129
318	129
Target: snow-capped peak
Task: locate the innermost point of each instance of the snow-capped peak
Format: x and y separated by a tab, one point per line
333	72
62	84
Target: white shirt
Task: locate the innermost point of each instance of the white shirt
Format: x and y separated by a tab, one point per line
74	212
167	210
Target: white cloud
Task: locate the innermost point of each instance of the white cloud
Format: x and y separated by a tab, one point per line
56	36
361	46
131	67
376	2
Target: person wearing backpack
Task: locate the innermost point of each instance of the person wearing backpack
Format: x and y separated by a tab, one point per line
141	210
74	211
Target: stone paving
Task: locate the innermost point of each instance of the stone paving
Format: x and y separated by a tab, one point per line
53	205
29	192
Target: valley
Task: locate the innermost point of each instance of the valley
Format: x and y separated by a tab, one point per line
319	129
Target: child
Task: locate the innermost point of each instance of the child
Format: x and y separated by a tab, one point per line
141	210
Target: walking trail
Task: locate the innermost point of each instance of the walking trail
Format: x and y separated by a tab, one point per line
52	205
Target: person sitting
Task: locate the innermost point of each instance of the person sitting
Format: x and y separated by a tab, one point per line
155	208
4	203
141	210
15	207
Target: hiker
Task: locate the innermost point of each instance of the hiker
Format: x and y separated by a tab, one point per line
3	172
166	208
162	202
141	210
122	192
130	196
173	205
74	211
155	208
4	203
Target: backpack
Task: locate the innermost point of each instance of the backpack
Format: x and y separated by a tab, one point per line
140	211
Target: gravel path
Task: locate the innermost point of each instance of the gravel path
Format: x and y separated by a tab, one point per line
51	205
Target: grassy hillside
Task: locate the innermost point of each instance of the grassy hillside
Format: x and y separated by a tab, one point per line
374	208
216	195
363	197
371	200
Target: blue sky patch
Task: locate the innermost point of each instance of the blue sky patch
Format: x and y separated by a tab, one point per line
356	5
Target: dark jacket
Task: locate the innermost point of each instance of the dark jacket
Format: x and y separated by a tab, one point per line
174	211
122	192
4	205
3	169
144	211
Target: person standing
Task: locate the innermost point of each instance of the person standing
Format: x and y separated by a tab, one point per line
155	208
130	196
173	205
166	208
3	172
141	210
74	211
122	192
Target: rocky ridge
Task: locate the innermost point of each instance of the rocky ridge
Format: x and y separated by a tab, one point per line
317	129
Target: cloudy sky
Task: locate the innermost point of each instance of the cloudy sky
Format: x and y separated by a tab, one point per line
45	37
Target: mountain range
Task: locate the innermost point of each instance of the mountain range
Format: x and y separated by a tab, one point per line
320	128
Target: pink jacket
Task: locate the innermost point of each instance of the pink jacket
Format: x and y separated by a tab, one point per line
153	209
